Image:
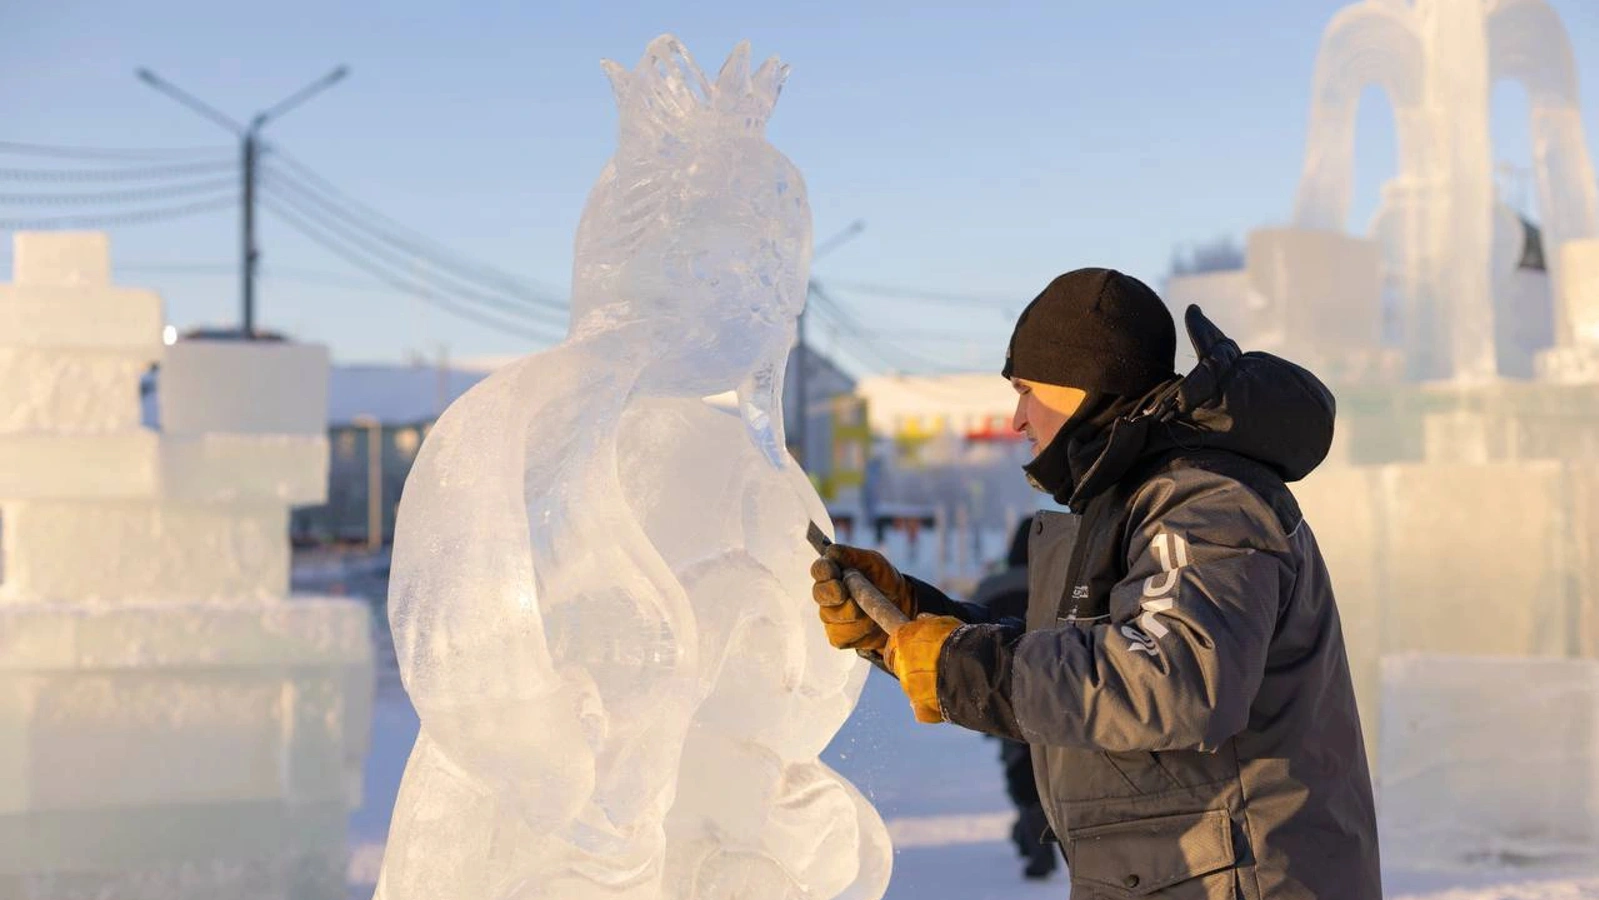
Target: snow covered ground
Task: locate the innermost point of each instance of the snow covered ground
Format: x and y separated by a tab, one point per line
938	787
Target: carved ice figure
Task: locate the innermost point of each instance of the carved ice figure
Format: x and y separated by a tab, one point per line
599	589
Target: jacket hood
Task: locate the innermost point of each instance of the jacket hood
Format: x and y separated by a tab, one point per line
1253	404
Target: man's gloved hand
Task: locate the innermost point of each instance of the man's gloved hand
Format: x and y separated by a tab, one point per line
912	653
848	626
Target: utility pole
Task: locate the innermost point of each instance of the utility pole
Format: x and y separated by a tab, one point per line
802	350
250	147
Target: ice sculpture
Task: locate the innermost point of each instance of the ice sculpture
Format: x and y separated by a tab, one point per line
172	727
1436	61
599	585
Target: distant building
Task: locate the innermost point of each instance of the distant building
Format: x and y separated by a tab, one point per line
945	442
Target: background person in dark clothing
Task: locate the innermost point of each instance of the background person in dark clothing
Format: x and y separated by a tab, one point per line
1181	677
1004	594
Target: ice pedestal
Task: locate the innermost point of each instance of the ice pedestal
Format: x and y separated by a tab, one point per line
181	751
1489	760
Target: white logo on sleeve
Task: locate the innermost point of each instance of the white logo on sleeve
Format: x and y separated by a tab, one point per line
1171	554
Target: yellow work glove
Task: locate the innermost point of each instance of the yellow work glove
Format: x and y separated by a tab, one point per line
912	653
848	626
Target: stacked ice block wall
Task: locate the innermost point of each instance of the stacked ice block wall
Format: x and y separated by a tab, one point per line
172	725
1459	511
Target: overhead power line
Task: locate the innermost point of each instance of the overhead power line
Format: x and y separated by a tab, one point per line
128	196
125	173
337	246
133	217
889	354
398	259
53	151
298	176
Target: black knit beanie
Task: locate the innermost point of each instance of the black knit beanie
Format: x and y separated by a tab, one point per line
1094	329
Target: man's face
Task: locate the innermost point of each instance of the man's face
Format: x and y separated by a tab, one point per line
1041	410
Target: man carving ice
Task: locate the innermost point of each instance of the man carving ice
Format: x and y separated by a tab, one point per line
1181	676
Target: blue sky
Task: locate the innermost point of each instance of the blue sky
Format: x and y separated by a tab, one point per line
987	148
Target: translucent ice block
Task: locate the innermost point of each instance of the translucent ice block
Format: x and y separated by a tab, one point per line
1339	504
45	466
1476	558
181	751
259	387
94	393
291	469
1578	309
1325	287
61	258
143	551
81	317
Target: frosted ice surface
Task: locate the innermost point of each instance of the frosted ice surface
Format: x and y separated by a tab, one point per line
1489	760
43	391
599	589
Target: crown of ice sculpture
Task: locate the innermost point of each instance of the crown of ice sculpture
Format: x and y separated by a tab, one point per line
696	217
667	97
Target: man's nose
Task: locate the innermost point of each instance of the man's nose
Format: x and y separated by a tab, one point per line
1018	422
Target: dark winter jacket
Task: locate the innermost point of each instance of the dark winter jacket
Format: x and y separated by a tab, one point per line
1181	675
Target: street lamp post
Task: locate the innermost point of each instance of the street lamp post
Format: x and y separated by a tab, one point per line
250	147
374	479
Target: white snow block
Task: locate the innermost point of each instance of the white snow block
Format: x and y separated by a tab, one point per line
141	551
44	465
181	751
244	387
76	394
1489	760
290	469
61	258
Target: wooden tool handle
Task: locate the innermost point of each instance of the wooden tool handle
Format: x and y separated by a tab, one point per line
865	594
